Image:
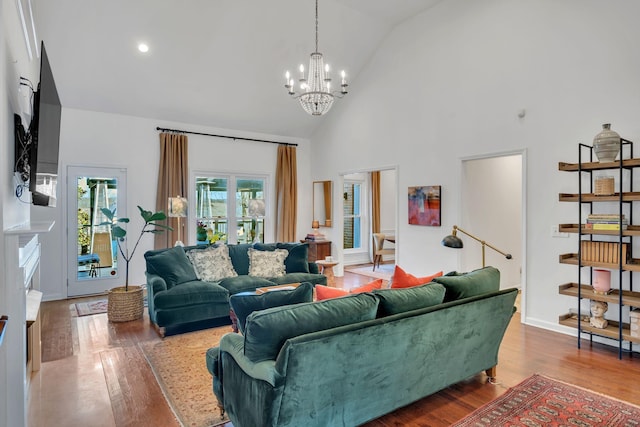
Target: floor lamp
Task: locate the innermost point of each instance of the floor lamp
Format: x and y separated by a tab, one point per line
178	209
453	241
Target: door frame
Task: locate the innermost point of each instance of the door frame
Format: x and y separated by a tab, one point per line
97	285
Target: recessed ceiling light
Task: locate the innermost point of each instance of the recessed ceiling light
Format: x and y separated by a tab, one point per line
143	47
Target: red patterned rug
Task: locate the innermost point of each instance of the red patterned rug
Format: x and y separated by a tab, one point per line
541	401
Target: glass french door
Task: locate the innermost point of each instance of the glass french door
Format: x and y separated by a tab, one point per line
91	249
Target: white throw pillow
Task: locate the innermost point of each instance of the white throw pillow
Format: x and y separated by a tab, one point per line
212	264
267	263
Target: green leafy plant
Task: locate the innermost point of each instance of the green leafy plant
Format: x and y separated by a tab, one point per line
84	240
150	220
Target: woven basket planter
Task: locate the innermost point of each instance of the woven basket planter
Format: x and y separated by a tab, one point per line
125	305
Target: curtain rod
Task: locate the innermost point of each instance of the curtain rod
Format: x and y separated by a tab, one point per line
225	136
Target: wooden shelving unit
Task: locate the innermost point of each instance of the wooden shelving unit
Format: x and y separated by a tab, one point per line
632	230
629	196
612	331
572	259
575	167
588	239
629	298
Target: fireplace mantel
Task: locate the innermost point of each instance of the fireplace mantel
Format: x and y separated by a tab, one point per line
22	284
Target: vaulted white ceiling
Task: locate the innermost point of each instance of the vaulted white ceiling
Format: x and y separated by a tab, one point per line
217	63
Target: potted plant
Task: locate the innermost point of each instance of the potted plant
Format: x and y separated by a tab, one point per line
127	302
201	232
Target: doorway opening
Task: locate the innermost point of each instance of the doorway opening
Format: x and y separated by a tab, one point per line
493	208
367	207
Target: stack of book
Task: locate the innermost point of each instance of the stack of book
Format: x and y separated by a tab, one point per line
315	236
606	222
606	252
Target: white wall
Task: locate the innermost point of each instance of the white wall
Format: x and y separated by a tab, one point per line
99	139
448	84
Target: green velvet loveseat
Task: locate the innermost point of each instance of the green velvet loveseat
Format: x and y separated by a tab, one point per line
189	287
345	361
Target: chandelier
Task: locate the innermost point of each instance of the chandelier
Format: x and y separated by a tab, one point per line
315	94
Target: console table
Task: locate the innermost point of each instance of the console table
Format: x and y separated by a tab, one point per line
318	249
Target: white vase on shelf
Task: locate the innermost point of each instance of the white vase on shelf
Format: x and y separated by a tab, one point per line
606	144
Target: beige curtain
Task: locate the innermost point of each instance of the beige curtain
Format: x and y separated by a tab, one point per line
172	182
286	194
326	186
375	201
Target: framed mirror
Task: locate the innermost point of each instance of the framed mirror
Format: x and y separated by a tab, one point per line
322	196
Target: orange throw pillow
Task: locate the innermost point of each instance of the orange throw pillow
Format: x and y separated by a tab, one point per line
327	292
402	279
376	284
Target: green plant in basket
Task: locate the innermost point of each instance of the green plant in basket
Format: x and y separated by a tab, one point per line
150	220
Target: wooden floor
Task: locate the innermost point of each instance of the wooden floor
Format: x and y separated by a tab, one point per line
93	373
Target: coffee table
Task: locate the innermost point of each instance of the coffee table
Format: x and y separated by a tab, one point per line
285	287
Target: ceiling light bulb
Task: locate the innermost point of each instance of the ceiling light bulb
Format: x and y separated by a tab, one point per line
143	47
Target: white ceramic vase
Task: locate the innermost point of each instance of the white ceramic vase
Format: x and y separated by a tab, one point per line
606	144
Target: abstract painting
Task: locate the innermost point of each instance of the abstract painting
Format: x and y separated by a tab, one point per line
424	205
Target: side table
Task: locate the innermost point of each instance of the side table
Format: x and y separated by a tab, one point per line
327	270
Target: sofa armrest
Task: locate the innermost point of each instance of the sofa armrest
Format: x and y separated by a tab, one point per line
155	283
314	268
233	344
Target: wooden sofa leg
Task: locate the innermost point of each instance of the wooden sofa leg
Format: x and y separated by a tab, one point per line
159	330
491	373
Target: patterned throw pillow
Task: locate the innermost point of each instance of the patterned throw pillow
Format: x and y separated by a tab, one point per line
212	264
267	263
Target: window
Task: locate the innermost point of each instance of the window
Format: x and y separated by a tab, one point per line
352	215
230	208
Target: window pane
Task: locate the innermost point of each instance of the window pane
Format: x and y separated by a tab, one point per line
211	209
97	254
250	210
211	197
250	230
352	221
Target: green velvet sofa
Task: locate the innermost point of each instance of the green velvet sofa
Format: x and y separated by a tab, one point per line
345	361
178	301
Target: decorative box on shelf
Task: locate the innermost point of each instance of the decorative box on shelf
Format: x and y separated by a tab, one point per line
604	186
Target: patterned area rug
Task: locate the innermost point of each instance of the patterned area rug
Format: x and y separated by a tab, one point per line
541	401
88	308
178	362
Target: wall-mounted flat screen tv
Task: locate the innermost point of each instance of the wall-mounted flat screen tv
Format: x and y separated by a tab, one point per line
45	137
